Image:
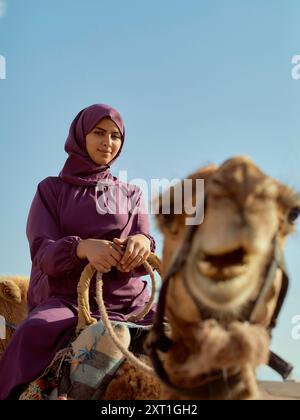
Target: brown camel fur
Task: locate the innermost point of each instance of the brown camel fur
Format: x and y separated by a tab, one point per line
13	303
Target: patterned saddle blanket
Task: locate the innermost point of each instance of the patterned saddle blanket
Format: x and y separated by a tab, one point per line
85	368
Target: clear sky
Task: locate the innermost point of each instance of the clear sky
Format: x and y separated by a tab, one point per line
196	81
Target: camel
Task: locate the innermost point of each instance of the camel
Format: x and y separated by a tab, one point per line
13	304
223	286
218	303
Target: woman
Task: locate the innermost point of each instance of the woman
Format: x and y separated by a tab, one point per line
73	220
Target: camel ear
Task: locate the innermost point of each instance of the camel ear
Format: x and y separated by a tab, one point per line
10	291
170	215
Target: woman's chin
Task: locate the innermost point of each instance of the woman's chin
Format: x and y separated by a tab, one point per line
102	161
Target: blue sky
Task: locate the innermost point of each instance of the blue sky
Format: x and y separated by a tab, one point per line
196	81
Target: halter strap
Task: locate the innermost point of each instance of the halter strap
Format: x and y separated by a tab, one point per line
10	325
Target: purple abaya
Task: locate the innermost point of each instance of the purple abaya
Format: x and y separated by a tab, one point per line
65	210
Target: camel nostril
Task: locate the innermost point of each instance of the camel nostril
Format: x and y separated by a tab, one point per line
236	257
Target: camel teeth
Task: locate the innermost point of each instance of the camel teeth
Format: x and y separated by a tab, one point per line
234	271
207	269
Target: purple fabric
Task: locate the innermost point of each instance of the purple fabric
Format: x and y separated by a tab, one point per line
79	168
62	213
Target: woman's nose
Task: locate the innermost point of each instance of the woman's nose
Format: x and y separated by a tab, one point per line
107	140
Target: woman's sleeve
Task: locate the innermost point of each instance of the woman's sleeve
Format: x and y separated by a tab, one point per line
52	254
141	225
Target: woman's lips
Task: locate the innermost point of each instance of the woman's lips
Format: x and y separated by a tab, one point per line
104	151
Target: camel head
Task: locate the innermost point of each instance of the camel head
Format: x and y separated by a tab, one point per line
245	214
13	303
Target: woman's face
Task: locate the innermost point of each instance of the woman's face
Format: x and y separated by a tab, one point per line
104	141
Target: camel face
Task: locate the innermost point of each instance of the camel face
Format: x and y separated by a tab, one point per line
245	211
13	303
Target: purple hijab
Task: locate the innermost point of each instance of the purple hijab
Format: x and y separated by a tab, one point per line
79	168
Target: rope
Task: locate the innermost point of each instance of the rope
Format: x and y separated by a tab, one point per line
107	323
85	319
84	315
146	310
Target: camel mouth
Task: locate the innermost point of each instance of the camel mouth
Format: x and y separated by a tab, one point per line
225	282
224	267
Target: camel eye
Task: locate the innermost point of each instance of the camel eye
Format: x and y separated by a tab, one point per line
294	214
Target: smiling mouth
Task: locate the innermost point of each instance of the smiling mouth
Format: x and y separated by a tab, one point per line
104	152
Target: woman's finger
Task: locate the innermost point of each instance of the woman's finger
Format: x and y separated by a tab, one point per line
101	268
147	254
120	268
111	261
104	263
117	252
128	252
136	251
139	260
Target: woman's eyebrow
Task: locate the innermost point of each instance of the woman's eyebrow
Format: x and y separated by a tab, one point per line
103	129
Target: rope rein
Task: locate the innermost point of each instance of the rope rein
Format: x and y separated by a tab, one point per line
107	323
85	319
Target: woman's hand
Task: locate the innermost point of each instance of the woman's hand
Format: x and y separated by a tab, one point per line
138	248
101	254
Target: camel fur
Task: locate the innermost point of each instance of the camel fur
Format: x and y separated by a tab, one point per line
13	303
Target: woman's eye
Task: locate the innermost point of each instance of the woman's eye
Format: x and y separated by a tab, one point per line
116	137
